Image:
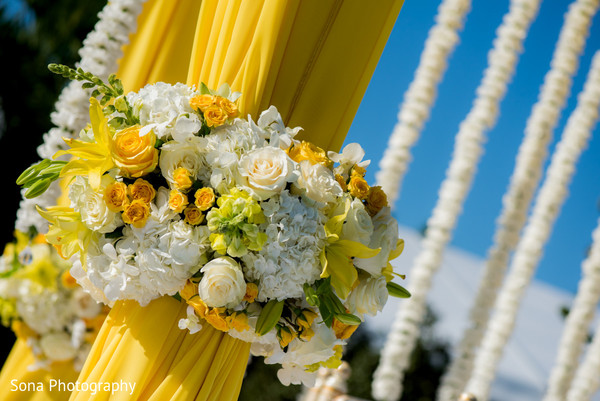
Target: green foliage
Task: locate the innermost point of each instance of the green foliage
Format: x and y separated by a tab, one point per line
38	177
320	294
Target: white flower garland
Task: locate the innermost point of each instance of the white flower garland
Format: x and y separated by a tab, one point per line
587	380
529	250
102	48
419	97
577	324
525	179
388	377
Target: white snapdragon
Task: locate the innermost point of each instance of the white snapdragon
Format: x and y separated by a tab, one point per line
385	236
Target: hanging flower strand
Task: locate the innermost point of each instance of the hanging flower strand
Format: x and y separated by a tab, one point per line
539	226
419	98
525	179
402	338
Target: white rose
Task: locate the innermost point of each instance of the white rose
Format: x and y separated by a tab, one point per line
318	182
90	204
358	225
266	171
222	284
385	236
58	346
187	154
369	296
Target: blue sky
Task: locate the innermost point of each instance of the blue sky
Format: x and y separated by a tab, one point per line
561	264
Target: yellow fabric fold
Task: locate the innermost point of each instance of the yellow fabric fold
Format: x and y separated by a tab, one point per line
143	346
33	385
312	59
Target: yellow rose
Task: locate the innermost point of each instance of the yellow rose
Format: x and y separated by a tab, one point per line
285	336
342	181
343	331
228	106
376	200
115	196
215	116
358	171
205	198
202	102
177	201
238	321
308	151
216	320
136	213
181	175
251	292
193	215
358	187
135	155
143	190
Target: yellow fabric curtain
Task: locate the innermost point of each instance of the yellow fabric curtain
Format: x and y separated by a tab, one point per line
312	59
17	383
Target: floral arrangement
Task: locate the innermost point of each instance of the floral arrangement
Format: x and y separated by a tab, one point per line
44	305
265	237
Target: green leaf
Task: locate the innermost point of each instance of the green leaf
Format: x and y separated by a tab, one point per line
348	318
269	317
327	311
397	290
204	89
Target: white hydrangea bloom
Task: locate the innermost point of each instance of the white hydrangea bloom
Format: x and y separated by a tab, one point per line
290	256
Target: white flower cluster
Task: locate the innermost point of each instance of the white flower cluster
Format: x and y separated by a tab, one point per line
264	236
55	317
290	257
101	50
419	98
525	179
387	384
535	235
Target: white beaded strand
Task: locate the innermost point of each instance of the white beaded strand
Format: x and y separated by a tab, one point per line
502	60
577	324
525	179
419	98
587	377
539	226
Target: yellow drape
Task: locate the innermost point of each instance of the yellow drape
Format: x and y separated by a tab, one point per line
312	59
16	368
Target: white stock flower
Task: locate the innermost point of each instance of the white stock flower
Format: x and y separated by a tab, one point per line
266	171
385	236
369	297
57	346
90	204
166	110
317	182
222	283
